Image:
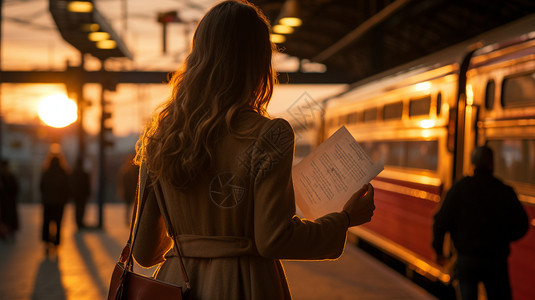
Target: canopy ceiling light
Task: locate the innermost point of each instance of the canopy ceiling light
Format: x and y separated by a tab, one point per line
282	29
90	27
86	29
99	36
277	38
290	14
106	44
80	6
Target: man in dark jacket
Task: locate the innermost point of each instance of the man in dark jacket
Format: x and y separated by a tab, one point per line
483	216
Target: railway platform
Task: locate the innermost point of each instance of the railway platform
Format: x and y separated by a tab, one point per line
86	258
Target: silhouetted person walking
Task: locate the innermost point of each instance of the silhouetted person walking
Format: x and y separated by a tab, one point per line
55	193
483	216
81	190
9	191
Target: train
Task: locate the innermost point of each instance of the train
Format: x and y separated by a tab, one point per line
423	120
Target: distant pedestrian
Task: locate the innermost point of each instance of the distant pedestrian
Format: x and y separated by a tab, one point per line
55	193
81	190
9	191
483	216
128	184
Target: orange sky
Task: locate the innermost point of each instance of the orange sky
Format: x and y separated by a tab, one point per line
30	41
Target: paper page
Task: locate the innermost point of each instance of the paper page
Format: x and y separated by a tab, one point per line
331	174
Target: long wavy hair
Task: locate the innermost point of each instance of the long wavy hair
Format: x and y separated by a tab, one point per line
228	70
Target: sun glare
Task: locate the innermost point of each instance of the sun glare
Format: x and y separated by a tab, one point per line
58	111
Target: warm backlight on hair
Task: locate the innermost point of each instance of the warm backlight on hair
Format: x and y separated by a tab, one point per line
58	111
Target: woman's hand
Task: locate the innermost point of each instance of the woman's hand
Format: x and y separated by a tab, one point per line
360	206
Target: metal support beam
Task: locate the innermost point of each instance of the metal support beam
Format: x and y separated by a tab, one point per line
88	76
360	30
329	77
101	194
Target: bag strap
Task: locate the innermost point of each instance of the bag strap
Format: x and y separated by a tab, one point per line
140	200
126	257
171	231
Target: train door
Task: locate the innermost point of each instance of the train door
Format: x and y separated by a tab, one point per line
470	142
463	117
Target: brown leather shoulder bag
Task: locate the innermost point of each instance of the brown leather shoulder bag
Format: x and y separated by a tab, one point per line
125	283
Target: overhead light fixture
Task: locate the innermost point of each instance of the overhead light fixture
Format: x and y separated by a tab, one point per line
427	123
291	21
277	38
106	44
282	29
90	27
80	6
469	94
98	36
290	14
423	86
84	30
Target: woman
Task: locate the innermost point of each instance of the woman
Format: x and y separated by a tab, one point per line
225	171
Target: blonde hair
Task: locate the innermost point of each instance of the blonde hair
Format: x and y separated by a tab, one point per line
228	70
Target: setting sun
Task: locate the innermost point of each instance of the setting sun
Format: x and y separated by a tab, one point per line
58	111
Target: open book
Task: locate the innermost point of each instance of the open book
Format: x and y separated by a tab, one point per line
331	174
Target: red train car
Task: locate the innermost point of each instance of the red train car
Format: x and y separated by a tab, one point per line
424	119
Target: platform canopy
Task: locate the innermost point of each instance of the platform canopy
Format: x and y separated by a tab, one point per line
85	28
363	37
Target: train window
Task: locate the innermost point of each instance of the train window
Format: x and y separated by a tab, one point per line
514	159
352	118
371	149
331	122
334	122
419	106
394	153
490	94
439	103
302	150
341	120
529	164
393	111
407	154
370	114
518	90
422	155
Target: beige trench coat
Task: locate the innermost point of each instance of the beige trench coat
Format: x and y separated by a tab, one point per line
238	220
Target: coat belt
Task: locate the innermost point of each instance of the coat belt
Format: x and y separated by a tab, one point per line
200	246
